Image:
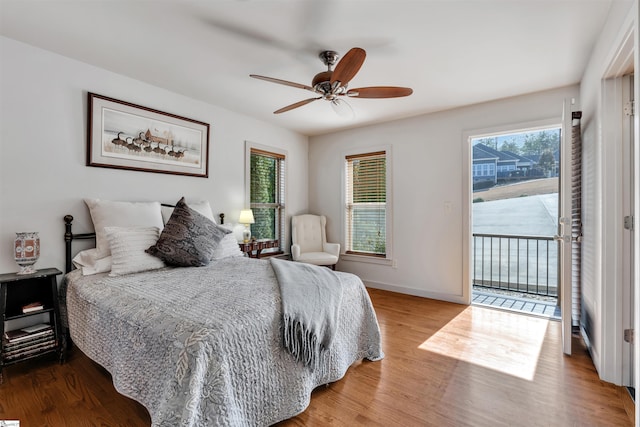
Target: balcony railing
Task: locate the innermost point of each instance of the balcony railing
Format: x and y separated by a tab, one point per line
527	264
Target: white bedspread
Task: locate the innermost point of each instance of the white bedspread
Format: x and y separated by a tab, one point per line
202	346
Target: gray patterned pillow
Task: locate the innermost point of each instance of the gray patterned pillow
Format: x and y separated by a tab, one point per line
188	239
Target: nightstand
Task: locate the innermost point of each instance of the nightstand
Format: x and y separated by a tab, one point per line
30	301
253	248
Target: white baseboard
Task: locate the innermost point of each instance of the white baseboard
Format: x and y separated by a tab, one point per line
458	299
595	357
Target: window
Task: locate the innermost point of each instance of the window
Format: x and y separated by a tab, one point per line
506	168
484	169
266	197
366	204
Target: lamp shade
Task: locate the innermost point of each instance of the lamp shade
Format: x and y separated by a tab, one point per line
246	217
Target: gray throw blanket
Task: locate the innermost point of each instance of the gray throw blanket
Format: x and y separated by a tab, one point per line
311	298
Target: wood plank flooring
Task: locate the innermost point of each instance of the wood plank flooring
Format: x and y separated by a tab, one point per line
445	365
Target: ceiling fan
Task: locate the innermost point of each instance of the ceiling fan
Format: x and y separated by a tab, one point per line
331	85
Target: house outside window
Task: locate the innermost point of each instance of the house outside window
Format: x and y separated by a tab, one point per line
366	196
267	195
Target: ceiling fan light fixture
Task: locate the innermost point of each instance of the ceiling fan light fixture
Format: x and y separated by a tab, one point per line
342	108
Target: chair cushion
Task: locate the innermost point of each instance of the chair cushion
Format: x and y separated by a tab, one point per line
308	233
318	258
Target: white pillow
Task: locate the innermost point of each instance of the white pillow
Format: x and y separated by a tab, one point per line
89	263
201	207
107	213
128	245
228	247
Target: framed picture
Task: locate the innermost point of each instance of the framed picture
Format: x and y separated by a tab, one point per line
122	135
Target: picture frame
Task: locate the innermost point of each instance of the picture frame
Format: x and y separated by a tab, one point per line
122	135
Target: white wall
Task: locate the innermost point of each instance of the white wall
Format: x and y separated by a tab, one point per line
43	123
427	163
602	295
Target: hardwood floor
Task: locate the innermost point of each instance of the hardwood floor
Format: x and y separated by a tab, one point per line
445	365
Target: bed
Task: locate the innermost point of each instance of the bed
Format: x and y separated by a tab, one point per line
203	346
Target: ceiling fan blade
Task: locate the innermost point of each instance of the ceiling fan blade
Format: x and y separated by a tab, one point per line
282	82
380	92
238	31
296	105
348	66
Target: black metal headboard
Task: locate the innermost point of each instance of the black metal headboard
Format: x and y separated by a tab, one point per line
69	237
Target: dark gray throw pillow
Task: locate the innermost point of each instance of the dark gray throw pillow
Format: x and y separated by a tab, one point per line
188	239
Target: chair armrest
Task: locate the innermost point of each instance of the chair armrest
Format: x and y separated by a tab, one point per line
332	248
295	251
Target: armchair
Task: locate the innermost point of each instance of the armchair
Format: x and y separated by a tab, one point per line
309	241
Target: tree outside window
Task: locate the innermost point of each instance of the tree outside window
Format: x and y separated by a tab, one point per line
267	194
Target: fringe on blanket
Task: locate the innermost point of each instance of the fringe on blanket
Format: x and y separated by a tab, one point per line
303	344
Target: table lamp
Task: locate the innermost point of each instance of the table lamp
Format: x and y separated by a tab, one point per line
246	218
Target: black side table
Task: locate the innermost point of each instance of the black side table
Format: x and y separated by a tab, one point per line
24	297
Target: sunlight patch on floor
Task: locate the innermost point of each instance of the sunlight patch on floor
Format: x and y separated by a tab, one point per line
502	341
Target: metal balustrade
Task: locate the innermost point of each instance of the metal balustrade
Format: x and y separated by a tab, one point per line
527	264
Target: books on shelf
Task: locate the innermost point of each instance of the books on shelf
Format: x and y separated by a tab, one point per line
36	328
30	350
34	306
28	341
29	332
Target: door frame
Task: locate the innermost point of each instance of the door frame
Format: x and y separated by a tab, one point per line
628	198
613	307
467	188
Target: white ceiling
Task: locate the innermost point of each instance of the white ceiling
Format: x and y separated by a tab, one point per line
452	53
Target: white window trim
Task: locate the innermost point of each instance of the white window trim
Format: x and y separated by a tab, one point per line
366	259
388	259
248	145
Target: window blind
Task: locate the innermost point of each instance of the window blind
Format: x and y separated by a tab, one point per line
267	192
576	219
366	204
